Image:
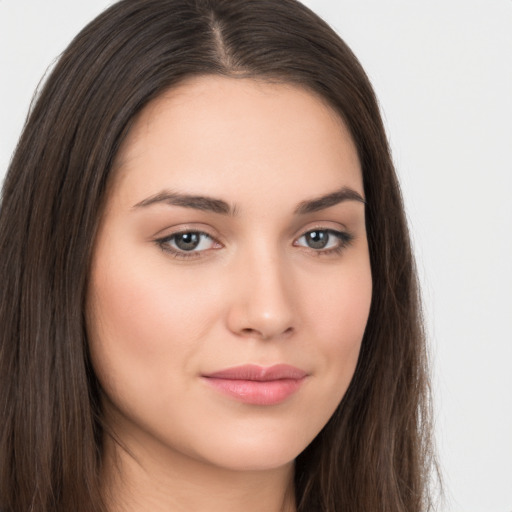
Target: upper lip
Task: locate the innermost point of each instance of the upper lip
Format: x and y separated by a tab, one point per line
259	373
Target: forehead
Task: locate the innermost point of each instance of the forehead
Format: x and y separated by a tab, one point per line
225	136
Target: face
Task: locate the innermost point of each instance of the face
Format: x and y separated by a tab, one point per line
230	282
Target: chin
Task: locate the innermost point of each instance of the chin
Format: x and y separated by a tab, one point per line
250	451
262	459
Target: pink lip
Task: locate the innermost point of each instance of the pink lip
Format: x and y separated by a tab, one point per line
258	385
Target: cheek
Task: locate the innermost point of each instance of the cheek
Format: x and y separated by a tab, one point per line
127	312
148	323
133	303
138	325
338	317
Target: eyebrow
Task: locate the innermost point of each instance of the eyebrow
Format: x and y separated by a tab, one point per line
203	203
324	202
214	205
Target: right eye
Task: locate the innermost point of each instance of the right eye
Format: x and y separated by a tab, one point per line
325	241
187	243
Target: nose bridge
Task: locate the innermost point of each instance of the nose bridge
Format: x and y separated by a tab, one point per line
263	304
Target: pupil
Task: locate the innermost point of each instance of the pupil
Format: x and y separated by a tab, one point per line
317	239
187	241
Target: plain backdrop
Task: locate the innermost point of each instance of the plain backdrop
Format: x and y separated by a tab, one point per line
442	70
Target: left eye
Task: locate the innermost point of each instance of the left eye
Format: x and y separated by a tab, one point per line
323	239
187	241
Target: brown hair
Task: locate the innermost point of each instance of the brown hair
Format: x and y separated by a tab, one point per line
375	452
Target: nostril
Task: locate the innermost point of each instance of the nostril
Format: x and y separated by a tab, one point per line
254	333
249	332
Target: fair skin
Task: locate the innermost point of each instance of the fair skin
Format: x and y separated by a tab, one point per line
183	288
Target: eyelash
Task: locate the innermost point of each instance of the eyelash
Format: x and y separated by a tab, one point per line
345	239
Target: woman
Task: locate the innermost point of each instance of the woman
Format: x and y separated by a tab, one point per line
209	299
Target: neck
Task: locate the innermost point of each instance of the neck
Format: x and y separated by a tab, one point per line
172	482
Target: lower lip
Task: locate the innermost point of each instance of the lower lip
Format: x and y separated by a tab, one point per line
253	392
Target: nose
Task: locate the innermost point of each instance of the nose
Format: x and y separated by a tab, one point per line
262	299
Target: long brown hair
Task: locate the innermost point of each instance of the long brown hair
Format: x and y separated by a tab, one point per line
375	452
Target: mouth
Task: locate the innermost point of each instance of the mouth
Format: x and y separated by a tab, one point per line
257	385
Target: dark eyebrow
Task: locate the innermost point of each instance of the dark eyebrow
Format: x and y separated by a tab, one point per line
188	201
211	204
323	202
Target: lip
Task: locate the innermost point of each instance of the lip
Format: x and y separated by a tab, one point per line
258	385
